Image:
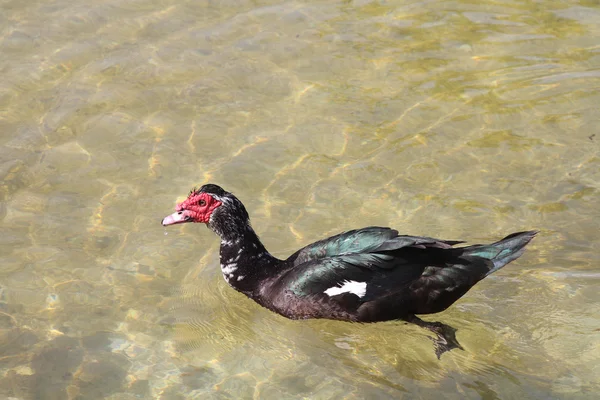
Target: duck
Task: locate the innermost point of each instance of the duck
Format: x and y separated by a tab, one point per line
363	275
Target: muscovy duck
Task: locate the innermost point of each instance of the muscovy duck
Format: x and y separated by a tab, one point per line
364	275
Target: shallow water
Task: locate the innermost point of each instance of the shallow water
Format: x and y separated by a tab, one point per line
456	119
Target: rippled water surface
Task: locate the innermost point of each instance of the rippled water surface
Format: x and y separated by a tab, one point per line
456	119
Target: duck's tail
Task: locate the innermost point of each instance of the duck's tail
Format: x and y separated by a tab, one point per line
503	251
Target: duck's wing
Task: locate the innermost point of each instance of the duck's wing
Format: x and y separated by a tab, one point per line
343	283
370	240
378	286
335	287
352	273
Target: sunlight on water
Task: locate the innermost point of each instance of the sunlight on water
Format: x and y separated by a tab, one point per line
459	120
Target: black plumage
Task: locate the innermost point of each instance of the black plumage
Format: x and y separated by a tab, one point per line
364	275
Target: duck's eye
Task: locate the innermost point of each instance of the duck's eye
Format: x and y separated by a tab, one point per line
202	202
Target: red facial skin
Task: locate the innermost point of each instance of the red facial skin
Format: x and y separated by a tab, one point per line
198	207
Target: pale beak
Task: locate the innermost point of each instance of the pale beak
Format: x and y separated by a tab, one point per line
178	217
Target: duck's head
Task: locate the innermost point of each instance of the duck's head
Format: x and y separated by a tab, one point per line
220	210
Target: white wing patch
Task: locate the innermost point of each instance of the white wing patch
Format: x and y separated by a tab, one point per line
357	288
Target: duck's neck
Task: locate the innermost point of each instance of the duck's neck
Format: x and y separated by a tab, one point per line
244	260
